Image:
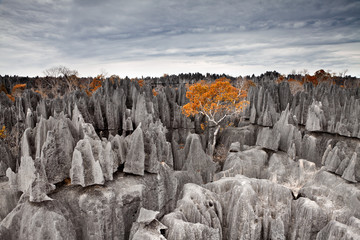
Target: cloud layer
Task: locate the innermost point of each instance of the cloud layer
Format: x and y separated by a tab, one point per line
145	37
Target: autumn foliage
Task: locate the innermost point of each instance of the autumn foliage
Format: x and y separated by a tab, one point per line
318	77
18	87
16	90
141	82
3	132
94	85
154	92
215	100
12	98
280	79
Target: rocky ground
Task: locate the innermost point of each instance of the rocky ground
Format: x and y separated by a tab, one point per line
125	163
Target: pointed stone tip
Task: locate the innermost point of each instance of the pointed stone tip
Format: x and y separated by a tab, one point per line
147	216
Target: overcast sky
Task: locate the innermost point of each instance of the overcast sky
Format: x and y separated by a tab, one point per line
151	37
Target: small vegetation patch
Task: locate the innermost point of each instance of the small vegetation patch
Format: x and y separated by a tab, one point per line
3	132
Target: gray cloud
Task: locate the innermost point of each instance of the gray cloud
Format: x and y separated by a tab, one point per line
249	35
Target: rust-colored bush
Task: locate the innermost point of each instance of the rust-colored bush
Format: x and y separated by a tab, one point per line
95	84
154	92
141	82
17	88
280	79
12	98
3	132
318	77
312	79
16	91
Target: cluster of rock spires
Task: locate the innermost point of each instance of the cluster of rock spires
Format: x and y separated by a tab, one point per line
126	164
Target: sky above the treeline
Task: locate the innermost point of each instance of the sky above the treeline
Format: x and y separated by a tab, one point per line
151	37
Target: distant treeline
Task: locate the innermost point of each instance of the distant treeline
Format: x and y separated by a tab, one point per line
65	83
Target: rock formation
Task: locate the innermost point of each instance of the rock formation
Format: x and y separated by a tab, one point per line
125	163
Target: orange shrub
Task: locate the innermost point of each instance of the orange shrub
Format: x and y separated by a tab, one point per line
18	87
293	80
141	82
280	79
319	76
95	84
3	132
12	98
154	92
16	90
309	78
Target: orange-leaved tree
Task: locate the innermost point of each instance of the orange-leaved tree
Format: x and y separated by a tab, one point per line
216	101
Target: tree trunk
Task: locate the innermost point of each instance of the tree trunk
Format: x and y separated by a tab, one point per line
212	146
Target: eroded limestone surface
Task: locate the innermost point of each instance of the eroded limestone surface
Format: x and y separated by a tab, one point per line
125	163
